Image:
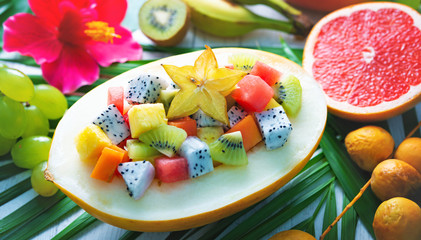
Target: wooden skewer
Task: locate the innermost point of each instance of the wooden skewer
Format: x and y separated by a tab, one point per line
414	130
362	190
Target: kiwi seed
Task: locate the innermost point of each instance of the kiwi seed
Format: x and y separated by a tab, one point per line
229	149
166	139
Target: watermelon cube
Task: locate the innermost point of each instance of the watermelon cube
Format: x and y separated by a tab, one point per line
269	74
253	94
171	169
116	97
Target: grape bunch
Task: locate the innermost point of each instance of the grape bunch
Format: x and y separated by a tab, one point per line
25	111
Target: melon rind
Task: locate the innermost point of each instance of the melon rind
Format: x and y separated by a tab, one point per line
193	202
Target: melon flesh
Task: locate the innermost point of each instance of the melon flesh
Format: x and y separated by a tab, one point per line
193	202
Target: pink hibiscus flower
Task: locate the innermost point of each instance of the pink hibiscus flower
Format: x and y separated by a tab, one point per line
69	38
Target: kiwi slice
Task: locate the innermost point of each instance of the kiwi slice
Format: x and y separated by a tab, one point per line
140	151
209	134
164	22
165	138
288	93
229	149
241	61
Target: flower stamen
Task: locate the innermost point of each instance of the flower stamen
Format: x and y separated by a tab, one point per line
100	31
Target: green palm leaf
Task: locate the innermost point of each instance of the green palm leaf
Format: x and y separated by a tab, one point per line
9	169
289	211
15	190
83	221
27	212
350	177
45	219
330	213
349	222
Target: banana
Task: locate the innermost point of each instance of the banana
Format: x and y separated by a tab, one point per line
228	19
301	21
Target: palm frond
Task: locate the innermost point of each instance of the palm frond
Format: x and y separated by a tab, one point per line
330	213
45	219
80	223
350	178
308	182
9	169
129	235
308	224
288	211
15	190
27	212
349	222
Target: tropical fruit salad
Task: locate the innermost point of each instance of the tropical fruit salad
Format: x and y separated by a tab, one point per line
185	124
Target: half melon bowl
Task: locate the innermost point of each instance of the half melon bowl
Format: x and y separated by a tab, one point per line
194	202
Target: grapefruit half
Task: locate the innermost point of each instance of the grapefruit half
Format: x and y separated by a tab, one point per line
367	58
194	202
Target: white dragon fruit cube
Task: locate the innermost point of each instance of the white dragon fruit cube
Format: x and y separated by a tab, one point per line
112	123
203	120
144	89
274	126
138	176
236	114
198	156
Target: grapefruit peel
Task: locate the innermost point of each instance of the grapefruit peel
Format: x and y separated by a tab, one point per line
386	109
194	202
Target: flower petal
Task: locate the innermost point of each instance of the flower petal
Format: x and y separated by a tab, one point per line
46	10
121	50
72	69
28	35
111	11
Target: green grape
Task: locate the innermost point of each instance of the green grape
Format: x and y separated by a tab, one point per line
5	145
16	85
38	124
13	118
39	183
28	152
49	100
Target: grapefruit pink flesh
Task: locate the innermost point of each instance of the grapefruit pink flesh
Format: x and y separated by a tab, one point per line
367	55
378	48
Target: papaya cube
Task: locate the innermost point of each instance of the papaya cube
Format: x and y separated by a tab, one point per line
250	132
90	143
107	164
186	123
144	117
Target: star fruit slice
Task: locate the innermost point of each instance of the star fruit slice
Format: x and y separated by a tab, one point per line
203	86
